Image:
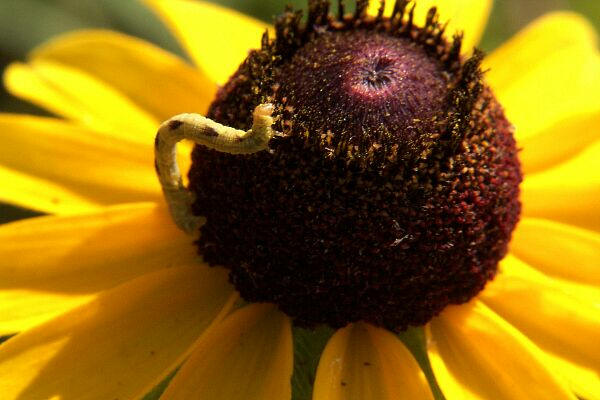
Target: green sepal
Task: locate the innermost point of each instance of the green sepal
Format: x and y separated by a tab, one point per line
414	339
308	346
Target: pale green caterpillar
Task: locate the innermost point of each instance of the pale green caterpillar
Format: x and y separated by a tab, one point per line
211	134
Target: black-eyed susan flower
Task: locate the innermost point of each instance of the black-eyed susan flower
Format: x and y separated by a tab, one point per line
384	197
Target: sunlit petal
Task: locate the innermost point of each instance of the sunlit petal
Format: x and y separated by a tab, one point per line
31	192
568	193
463	16
50	264
547	77
89	166
155	80
81	97
362	362
557	320
475	354
246	357
583	380
217	38
558	249
120	344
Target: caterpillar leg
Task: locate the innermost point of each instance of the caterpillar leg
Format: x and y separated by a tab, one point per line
208	133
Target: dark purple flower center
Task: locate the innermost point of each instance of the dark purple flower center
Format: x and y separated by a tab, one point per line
363	81
393	191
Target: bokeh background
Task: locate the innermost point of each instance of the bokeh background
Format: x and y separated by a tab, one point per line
27	23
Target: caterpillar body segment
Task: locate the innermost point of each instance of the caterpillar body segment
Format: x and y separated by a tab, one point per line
213	135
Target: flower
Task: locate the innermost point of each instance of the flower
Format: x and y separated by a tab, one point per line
109	298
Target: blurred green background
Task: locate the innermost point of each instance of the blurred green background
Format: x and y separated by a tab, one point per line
26	23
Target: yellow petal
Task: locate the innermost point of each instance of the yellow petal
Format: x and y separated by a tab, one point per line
76	95
539	40
582	380
22	309
31	192
156	81
362	362
466	16
120	344
568	193
218	39
50	264
556	319
87	164
475	354
547	77
559	142
247	357
558	249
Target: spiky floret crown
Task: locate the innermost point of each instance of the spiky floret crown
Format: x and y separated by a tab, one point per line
262	73
393	190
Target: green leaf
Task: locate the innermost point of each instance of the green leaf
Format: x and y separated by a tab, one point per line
308	346
414	340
